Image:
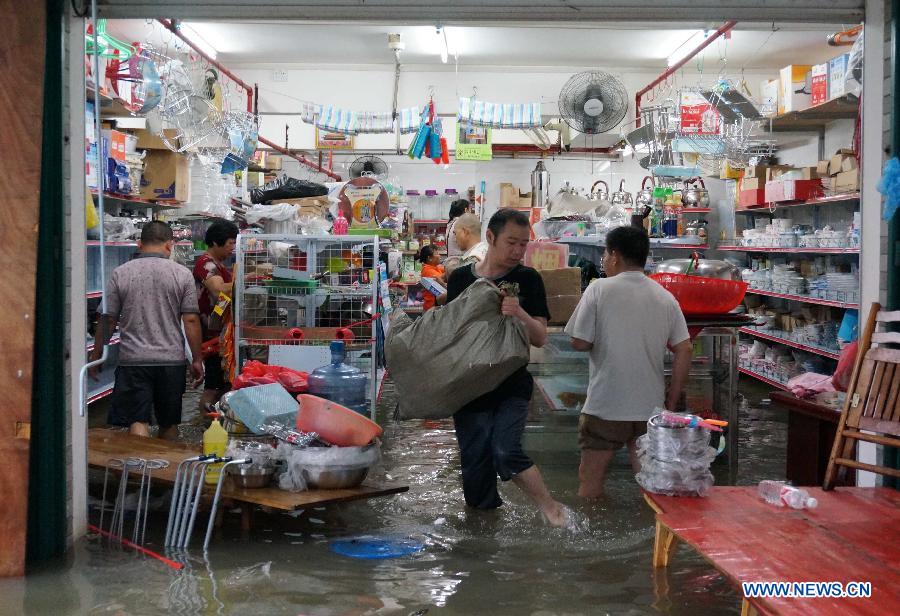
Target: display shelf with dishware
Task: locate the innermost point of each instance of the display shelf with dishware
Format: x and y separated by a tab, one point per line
804	299
786	280
781	337
776	249
769	208
749	372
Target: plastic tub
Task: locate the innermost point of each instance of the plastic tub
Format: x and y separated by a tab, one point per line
335	423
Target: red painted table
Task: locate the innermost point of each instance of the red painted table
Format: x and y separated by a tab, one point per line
852	536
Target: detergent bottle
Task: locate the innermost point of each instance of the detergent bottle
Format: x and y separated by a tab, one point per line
215	439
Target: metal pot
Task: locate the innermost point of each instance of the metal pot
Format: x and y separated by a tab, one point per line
708	268
251	475
695	197
600	195
331	479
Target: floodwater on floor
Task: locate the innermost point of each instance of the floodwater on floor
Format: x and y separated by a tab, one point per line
501	562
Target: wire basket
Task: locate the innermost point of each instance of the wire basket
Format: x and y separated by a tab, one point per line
701	295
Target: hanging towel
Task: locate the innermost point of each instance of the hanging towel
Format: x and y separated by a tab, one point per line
409	120
309	111
337	120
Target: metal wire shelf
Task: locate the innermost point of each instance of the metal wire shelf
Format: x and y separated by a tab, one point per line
295	294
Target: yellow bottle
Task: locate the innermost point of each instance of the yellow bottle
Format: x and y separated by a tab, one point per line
215	440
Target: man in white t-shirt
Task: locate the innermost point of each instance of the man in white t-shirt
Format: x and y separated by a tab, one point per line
625	322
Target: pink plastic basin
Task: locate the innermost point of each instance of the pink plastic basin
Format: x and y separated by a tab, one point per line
335	423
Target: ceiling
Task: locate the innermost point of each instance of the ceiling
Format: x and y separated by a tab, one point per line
619	45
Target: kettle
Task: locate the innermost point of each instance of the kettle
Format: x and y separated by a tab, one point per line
621	197
600	195
693	196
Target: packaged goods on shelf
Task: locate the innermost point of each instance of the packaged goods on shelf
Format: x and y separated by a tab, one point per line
793	190
768	95
843	160
837	72
795	88
749	198
819	83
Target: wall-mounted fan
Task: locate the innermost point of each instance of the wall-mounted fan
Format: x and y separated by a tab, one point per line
370	166
593	102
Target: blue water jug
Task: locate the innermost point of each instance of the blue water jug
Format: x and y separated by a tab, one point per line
340	382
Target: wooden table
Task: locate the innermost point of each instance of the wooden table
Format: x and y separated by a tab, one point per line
811	430
104	444
852	536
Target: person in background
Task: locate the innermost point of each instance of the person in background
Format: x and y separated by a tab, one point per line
431	268
214	287
150	298
467	231
457	209
625	322
489	429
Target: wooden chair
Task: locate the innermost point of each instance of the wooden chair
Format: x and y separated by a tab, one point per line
872	409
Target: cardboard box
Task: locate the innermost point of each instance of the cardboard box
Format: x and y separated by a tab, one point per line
727	172
113	145
795	91
846	181
768	97
849	164
754	183
509	195
819	84
547	255
773	173
274	162
147	140
755	171
822	167
749	198
793	190
166	176
836	165
837	72
563	288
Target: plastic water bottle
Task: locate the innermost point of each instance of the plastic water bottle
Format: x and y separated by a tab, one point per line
340	382
780	494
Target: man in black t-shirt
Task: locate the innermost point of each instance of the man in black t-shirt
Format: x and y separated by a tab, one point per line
489	429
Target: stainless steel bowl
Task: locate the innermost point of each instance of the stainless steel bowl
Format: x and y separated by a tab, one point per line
251	475
708	268
330	479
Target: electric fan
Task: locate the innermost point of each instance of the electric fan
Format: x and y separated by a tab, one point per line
593	102
368	166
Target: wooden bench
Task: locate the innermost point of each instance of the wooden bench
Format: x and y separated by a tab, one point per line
853	535
104	444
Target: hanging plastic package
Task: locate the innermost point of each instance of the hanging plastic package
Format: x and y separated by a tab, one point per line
434	142
478	349
417	148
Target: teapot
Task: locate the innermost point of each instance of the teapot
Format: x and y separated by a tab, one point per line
693	196
599	195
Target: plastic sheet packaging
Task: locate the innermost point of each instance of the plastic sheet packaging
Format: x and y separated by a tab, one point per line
255	406
116	229
286	187
261	454
675	459
299	463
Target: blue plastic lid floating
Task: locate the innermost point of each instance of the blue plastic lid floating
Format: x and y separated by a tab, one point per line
373	548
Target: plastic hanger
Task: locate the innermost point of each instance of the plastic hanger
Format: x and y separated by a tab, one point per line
107	46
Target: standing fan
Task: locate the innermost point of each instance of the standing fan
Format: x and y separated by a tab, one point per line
593	102
368	166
